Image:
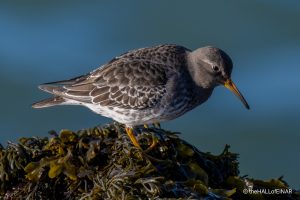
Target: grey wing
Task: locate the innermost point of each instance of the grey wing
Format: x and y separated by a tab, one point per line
135	80
128	84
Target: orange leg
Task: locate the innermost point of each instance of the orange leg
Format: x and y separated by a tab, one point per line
134	141
154	139
154	143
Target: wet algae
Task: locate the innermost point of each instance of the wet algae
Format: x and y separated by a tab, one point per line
102	163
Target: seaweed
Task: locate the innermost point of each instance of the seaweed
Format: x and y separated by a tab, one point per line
101	163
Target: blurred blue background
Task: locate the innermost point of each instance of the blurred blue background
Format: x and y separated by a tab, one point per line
43	41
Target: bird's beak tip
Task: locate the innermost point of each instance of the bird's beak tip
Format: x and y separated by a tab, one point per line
232	87
248	107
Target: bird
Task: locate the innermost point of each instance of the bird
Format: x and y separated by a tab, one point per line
147	85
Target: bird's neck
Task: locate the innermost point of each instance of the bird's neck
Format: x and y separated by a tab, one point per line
198	72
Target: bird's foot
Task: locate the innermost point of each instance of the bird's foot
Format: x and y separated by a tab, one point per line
153	144
133	139
130	133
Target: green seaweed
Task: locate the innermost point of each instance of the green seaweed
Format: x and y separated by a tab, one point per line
102	163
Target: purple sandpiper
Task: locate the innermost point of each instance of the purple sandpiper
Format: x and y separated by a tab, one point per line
147	85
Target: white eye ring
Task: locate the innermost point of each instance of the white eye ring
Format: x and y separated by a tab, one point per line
215	68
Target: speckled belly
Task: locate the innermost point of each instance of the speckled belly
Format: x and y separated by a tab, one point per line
132	117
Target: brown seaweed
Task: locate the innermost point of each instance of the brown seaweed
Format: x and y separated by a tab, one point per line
101	163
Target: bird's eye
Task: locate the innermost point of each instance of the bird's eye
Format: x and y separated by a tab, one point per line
216	68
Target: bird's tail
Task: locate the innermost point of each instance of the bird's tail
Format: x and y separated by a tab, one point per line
53	101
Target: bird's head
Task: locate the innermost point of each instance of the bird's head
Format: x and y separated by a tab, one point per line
211	67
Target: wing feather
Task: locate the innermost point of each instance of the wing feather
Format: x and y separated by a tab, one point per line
134	80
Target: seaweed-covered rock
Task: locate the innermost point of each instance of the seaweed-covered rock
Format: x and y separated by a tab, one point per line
101	163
